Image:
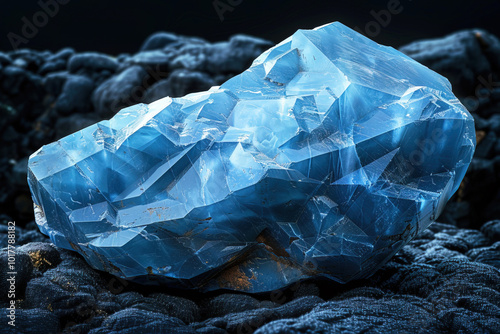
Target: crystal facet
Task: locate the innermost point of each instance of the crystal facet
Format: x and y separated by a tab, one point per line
322	159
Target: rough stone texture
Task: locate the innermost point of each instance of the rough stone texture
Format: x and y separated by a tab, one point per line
91	61
116	92
75	95
445	280
158	41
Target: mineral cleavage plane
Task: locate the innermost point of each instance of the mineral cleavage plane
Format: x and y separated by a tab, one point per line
323	159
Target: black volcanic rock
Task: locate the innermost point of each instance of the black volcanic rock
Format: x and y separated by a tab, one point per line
492	230
54	83
63	54
133	321
91	61
75	95
4	59
446	279
158	41
156	60
119	91
57	62
32	321
462	57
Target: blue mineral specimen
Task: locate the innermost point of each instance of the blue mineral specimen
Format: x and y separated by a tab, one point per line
322	159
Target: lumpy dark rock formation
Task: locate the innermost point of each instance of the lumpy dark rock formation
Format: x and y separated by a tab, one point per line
446	280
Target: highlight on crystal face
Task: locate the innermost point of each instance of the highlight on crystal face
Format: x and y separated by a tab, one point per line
322	159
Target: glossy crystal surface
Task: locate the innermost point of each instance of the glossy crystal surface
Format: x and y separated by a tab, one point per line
322	159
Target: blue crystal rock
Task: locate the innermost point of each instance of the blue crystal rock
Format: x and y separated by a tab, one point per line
322	159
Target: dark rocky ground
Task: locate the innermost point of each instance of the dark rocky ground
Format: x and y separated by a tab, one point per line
445	281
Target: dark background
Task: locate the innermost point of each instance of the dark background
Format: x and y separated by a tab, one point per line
114	27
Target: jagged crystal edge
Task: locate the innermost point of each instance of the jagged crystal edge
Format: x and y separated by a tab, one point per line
322	159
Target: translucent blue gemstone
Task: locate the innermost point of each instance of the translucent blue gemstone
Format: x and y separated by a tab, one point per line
322	159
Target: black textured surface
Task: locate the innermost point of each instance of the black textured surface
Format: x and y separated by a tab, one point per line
447	280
